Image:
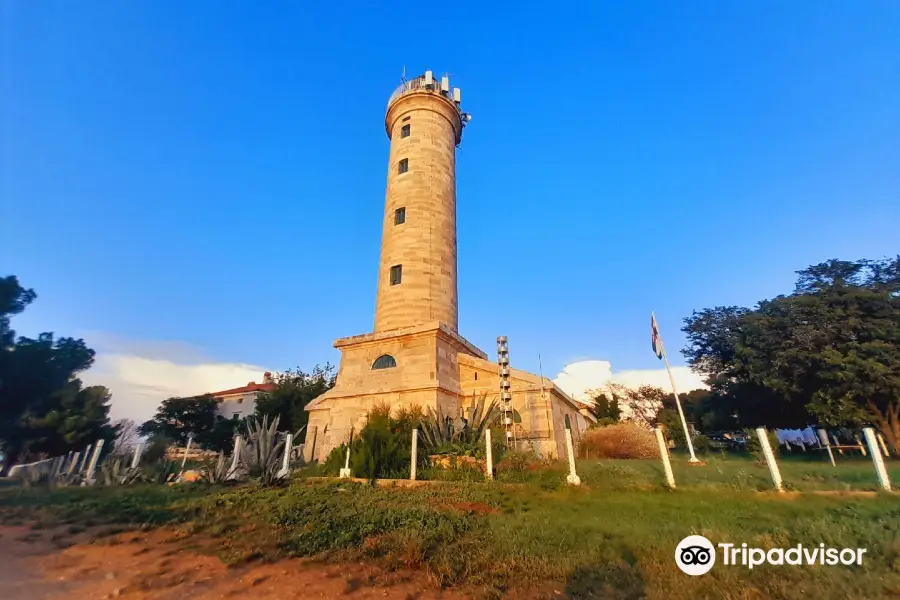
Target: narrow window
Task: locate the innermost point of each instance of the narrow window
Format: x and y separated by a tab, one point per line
385	361
476	375
400	216
403	166
404	131
396	274
240	400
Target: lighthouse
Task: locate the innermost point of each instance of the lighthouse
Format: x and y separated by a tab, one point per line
415	356
417	278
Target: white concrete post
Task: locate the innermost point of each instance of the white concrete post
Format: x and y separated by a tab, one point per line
883	445
345	472
770	458
187	448
787	445
488	454
286	463
837	443
87	457
67	459
823	438
415	450
73	463
93	464
664	454
136	458
572	478
883	478
859	443
235	458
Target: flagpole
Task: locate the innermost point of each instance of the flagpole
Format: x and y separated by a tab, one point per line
687	434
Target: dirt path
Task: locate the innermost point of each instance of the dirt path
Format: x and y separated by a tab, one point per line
45	565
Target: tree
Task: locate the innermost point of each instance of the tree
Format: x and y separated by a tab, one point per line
706	409
638	405
604	406
128	436
716	348
13	300
294	389
43	408
221	436
830	351
73	418
177	418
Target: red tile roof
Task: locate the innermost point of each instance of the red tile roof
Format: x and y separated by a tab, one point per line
250	387
267	386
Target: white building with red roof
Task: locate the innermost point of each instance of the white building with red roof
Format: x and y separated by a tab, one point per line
241	402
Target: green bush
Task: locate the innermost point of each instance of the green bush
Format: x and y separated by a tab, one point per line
670	421
701	444
383	449
514	466
155	450
334	462
755	447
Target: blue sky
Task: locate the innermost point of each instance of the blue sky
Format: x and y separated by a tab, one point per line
210	175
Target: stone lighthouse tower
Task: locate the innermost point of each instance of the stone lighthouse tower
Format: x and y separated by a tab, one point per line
415	355
417	274
410	359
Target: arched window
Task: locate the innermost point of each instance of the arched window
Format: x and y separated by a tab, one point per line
568	422
385	361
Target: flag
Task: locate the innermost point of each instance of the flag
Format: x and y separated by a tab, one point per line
655	337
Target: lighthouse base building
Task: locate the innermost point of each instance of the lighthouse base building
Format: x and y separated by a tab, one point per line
415	356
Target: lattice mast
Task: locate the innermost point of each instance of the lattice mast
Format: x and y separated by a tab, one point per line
505	395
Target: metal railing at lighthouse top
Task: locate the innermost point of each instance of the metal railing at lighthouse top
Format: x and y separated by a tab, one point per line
419	84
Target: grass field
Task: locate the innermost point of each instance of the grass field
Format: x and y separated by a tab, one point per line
614	537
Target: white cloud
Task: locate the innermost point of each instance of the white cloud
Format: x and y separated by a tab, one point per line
142	374
579	377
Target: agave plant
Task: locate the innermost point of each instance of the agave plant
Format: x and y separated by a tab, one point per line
114	472
441	430
34	477
220	473
264	450
110	471
67	479
163	471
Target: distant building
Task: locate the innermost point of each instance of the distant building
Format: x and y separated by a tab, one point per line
241	402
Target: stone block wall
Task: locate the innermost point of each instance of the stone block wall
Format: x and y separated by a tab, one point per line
425	243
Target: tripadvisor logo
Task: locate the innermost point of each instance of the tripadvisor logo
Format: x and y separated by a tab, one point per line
696	555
